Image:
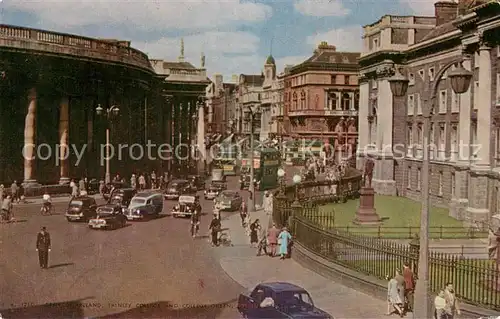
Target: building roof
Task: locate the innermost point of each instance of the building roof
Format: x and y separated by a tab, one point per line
440	30
270	60
178	65
327	55
253	79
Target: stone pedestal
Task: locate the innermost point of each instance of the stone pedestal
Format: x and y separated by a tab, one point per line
366	214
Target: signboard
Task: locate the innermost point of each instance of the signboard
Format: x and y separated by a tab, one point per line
271	163
256	163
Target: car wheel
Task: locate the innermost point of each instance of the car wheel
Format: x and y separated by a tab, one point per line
68	219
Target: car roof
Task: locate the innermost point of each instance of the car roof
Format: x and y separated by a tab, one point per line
82	198
282	286
107	206
146	194
228	191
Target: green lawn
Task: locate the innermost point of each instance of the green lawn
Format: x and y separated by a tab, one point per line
401	219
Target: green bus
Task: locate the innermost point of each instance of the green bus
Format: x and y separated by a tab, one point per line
267	161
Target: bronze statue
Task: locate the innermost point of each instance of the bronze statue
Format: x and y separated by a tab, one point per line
368	172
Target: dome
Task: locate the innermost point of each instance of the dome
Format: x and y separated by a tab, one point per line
270	60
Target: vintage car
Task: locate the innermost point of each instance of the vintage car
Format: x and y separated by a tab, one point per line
176	188
122	196
197	182
111	187
279	300
187	205
81	208
211	192
145	205
229	200
109	216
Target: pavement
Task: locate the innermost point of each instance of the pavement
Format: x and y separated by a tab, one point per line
243	266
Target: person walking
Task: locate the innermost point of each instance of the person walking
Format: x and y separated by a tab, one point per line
451	309
409	278
283	240
14	191
153	180
81	184
440	305
102	187
43	247
215	228
133	181
272	239
74	189
7	209
394	301
262	246
243	213
254	229
142	182
401	287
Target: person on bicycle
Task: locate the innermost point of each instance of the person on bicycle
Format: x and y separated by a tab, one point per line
195	223
7	208
47	202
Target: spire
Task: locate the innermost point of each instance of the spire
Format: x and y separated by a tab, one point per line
202	60
181	57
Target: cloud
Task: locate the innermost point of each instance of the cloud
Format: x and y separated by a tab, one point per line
420	8
347	38
225	51
146	14
321	8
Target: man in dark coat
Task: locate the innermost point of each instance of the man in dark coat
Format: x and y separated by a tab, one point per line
43	247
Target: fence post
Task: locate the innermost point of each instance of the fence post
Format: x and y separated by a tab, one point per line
379	232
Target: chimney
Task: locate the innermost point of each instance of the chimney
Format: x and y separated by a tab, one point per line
462	6
445	11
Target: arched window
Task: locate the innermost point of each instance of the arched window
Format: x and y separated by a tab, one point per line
346	101
294	104
302	100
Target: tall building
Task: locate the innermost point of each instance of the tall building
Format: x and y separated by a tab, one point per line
249	101
272	101
322	97
465	131
221	104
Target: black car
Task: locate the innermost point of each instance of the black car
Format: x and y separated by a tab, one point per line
122	196
197	182
109	216
176	188
81	208
108	188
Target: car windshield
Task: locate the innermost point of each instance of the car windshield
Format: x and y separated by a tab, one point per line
137	201
228	194
295	301
116	200
76	203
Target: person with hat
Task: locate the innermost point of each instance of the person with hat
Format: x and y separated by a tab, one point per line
284	239
215	228
43	247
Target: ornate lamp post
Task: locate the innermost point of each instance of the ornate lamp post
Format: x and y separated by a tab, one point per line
281	178
460	81
296	206
251	187
113	110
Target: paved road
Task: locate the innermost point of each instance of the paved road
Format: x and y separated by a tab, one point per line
110	274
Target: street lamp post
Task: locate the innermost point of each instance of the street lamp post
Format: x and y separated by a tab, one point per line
251	187
460	81
281	176
113	110
296	206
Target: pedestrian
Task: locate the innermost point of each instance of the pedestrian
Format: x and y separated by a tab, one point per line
262	246
142	182
215	228
2	191
153	180
394	301
451	309
243	213
81	184
254	229
440	305
102	187
409	278
74	189
14	191
133	181
401	286
272	239
7	208
43	247
283	240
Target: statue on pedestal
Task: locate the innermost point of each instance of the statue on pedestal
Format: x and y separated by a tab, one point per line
368	172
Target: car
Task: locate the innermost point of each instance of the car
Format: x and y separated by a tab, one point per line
81	208
211	192
176	187
111	187
187	205
145	205
122	196
229	200
109	216
279	300
197	182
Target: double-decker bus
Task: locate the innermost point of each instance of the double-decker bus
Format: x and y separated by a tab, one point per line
266	163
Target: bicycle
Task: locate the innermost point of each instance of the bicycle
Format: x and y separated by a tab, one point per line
46	210
195	228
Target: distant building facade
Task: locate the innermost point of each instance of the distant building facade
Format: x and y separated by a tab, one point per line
272	101
464	177
221	105
249	100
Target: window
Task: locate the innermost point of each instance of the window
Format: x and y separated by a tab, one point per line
418	103
332	101
302	100
476	95
442	140
408	178
411	104
375	44
431	74
409	139
421	73
455	102
346	101
346	79
443	99
411	77
333	79
374	84
453	186
440	184
419	181
454	142
294	104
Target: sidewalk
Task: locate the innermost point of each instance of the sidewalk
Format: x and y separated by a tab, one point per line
56	199
241	263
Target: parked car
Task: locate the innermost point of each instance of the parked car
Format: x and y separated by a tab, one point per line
111	187
81	208
229	200
197	182
279	300
122	196
187	205
109	216
176	188
211	192
145	205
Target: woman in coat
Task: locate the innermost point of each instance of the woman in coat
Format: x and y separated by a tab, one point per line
394	301
254	229
284	239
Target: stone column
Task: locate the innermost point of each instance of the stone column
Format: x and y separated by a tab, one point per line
460	201
383	181
478	200
29	139
363	126
63	140
200	142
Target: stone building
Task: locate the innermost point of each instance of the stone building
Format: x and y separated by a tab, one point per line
272	101
249	97
221	102
465	129
322	97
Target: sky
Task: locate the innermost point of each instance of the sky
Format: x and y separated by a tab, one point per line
236	36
